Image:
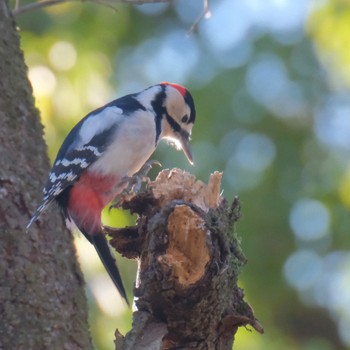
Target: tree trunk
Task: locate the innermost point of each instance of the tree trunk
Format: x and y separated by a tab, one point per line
189	261
42	301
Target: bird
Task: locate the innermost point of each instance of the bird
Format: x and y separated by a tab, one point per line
107	146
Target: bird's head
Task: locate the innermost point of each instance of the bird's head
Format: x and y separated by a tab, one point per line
178	116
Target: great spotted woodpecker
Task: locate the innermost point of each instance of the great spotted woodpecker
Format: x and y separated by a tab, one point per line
109	144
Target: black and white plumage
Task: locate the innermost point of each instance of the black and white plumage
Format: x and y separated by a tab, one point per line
110	143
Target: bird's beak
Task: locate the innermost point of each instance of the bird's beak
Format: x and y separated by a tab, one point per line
185	145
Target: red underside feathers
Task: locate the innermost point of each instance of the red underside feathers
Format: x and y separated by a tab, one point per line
88	197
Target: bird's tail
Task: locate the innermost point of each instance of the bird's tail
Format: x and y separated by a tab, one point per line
38	212
100	243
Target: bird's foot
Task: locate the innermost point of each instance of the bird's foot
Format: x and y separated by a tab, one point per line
143	172
132	184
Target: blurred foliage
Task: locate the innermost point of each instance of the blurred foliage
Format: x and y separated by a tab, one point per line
329	27
270	80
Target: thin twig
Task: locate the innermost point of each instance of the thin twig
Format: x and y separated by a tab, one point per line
17	4
205	14
46	3
35	5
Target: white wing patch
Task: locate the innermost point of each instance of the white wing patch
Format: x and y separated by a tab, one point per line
99	122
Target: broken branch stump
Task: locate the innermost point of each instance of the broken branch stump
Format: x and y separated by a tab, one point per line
186	294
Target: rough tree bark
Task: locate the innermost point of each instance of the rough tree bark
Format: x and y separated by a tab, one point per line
42	301
189	261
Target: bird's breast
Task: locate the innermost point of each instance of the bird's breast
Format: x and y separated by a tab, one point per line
132	146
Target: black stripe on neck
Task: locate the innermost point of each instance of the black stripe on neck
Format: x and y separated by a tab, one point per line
160	111
177	128
174	125
189	100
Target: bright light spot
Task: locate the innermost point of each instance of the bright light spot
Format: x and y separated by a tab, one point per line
208	15
43	80
236	56
170	62
266	78
235	21
62	100
302	269
152	9
341	284
97	278
188	11
326	291
333	290
255	152
98	92
200	76
309	219
323	281
251	156
86	253
228	26
279	15
269	85
161	60
107	296
332	123
63	55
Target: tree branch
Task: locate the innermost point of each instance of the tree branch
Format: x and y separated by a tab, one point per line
46	3
189	261
205	14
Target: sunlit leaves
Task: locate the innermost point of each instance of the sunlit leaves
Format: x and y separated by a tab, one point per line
329	28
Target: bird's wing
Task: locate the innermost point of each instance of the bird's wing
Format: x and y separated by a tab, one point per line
86	143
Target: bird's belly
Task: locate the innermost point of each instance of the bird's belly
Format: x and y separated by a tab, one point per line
89	195
106	187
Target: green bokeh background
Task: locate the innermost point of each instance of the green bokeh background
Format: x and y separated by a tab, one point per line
270	80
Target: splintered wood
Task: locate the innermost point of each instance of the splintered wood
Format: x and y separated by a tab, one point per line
189	262
188	251
177	184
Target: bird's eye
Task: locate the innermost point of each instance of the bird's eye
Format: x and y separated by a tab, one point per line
184	118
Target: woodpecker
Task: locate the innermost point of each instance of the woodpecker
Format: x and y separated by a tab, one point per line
109	145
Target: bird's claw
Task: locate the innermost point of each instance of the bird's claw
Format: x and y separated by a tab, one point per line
143	172
132	184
